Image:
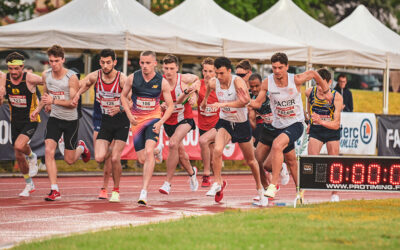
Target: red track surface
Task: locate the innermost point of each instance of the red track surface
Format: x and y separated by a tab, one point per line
79	210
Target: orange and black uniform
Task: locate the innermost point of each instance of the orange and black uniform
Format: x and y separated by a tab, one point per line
22	103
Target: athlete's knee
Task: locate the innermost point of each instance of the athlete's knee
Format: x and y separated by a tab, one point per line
203	141
218	152
115	159
173	144
278	146
141	158
99	158
49	152
252	162
149	152
69	160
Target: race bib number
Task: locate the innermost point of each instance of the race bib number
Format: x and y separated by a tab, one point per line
178	108
230	113
58	95
209	111
267	118
285	112
18	101
326	118
144	103
108	104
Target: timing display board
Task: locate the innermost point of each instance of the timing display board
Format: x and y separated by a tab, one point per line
350	173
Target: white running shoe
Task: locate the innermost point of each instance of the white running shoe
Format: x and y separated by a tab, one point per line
271	191
285	177
158	153
143	198
194	183
165	188
263	202
29	188
114	197
335	198
61	145
32	163
42	167
214	189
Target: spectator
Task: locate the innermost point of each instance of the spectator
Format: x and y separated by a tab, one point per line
345	92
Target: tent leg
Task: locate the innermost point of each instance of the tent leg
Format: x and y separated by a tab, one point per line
87	68
125	63
386	91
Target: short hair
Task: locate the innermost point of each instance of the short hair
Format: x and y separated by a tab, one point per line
108	52
342	75
255	76
14	56
148	53
325	74
208	61
244	64
280	57
170	59
222	62
56	50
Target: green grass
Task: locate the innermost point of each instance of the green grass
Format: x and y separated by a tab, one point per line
344	225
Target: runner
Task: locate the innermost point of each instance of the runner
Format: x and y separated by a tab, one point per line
324	126
20	91
146	87
60	87
233	125
285	99
243	69
207	119
181	120
265	134
114	128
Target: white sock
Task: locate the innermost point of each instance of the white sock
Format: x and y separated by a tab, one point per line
54	187
83	149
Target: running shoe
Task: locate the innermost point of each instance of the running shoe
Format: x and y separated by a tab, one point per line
220	194
285	177
194	183
264	200
33	166
53	195
143	198
42	166
158	153
271	191
165	188
29	188
103	194
86	152
335	198
214	189
114	197
61	145
206	181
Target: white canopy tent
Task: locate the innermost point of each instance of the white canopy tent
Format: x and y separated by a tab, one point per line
325	46
97	24
362	26
241	40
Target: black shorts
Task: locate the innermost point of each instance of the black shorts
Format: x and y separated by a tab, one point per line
257	132
267	137
294	132
24	128
239	131
324	134
114	128
143	132
56	127
96	124
170	129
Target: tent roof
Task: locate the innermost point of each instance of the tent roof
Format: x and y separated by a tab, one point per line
327	47
98	24
362	26
240	39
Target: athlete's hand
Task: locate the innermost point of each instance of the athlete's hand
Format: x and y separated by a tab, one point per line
328	96
47	108
132	120
33	115
47	99
157	127
75	100
113	111
163	106
203	105
316	119
243	96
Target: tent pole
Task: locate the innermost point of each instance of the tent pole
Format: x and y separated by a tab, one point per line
308	66
125	63
386	87
87	68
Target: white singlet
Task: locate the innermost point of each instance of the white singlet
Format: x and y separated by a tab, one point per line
286	103
229	95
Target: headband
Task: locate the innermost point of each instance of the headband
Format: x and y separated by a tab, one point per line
16	63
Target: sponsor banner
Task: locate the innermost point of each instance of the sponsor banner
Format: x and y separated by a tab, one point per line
389	135
358	135
190	142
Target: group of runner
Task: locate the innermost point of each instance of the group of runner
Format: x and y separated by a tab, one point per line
265	117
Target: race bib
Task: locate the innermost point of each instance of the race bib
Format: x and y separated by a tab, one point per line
286	111
178	108
18	101
58	95
267	118
229	112
209	111
144	103
326	118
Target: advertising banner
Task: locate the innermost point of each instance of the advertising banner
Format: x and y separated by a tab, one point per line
389	135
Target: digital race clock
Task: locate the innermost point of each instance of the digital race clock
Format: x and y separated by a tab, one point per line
350	173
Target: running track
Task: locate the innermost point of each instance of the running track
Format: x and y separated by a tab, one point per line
79	210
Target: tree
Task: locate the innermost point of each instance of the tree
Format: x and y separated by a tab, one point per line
15	11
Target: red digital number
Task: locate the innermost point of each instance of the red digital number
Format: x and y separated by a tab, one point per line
357	176
394	175
336	175
374	174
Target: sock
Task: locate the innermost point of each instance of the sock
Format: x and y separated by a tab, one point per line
28	179
83	149
54	187
116	189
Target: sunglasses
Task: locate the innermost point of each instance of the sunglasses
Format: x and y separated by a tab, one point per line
241	75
